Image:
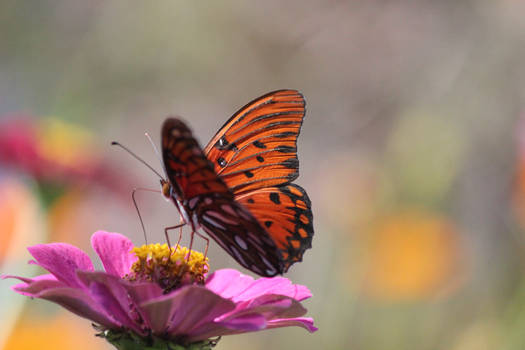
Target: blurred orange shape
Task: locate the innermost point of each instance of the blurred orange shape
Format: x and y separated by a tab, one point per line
70	219
412	255
21	224
58	332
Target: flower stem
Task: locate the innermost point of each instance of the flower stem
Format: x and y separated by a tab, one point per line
123	340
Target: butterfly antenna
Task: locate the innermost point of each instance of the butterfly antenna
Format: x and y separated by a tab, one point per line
156	152
115	143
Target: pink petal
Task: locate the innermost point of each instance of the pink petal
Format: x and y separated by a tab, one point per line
305	322
114	251
228	283
78	302
32	287
246	323
142	292
275	285
27	280
62	260
107	291
270	306
186	308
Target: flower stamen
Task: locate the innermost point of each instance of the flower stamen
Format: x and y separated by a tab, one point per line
169	267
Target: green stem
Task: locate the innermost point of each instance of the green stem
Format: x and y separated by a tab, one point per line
123	340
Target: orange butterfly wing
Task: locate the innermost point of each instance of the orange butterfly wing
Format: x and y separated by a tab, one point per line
257	147
285	212
255	153
205	201
188	169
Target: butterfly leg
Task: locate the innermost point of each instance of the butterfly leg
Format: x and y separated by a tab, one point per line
180	233
137	208
166	229
207	243
191	244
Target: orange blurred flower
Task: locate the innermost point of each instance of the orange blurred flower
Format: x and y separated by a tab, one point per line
21	224
59	332
412	254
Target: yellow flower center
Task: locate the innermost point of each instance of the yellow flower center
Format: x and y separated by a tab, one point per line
170	268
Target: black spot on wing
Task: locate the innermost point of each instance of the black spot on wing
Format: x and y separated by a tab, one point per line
221	161
292	163
259	144
260	159
274	197
222	143
286	149
248	173
268	223
285	134
251	201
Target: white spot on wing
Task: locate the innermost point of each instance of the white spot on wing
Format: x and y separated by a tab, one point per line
271	270
222	218
208	200
240	242
192	202
228	208
212	222
238	255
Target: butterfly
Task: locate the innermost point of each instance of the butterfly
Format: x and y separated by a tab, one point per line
239	188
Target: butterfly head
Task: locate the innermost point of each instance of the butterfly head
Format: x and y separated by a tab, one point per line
166	189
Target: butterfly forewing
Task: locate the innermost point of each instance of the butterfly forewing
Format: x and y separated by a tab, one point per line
186	165
257	146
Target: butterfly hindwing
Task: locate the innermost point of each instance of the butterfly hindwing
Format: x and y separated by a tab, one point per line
237	231
285	212
257	146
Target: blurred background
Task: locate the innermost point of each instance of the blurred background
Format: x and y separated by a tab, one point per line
412	151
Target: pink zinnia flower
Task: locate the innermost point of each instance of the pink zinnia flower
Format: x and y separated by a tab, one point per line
146	297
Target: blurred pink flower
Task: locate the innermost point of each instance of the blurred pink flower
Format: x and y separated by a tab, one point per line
52	151
226	303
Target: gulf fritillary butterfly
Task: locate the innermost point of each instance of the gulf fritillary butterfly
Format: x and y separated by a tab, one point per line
239	188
